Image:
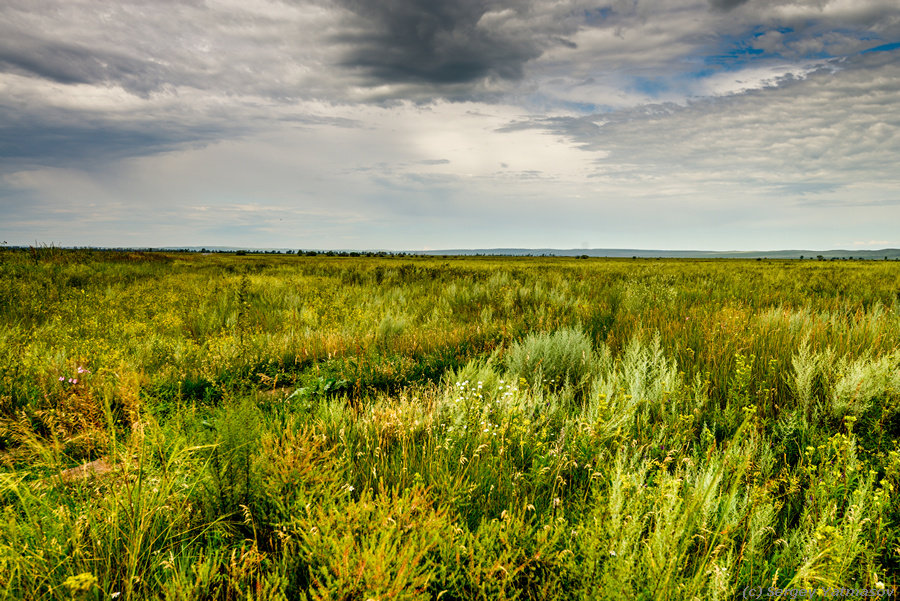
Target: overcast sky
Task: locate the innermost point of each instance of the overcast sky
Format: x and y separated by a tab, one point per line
413	124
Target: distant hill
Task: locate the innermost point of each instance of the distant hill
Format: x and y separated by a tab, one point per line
890	253
872	255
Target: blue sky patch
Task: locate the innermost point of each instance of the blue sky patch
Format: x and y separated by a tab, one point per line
883	48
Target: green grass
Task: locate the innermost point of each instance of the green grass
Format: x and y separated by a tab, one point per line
286	427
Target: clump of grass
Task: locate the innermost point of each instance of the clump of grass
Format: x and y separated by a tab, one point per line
389	328
552	360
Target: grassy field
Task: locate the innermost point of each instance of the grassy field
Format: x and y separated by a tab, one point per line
291	427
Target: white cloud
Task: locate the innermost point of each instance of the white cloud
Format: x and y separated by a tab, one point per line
639	124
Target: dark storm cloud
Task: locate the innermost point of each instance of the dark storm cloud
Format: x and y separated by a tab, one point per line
24	145
726	4
58	62
422	41
69	63
58	138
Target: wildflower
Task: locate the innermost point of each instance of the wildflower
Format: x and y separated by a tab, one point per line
81	583
62	378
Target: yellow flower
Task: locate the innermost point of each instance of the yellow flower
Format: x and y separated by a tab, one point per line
81	583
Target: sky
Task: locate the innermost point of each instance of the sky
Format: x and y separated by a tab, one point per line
422	124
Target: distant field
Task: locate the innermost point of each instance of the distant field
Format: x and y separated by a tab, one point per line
289	427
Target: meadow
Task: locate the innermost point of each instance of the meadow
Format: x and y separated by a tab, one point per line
312	427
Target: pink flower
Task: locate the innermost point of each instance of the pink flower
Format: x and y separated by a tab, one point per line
62	378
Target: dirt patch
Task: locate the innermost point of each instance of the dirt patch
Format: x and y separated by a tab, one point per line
96	468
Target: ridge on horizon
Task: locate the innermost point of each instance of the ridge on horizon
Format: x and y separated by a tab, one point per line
882	253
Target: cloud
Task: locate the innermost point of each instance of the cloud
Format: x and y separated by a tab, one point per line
726	4
406	122
451	49
436	42
876	243
801	152
258	48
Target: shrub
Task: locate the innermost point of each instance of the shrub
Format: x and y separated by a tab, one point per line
863	381
235	432
553	360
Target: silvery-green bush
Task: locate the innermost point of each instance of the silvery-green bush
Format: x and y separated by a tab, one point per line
552	359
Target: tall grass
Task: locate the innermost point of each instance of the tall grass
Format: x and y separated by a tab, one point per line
334	428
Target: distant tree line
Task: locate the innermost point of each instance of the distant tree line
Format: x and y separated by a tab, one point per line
44	249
